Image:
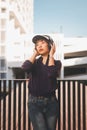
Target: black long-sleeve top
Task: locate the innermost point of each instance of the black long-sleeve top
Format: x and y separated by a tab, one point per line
42	79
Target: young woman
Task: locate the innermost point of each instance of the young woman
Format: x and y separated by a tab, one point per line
43	71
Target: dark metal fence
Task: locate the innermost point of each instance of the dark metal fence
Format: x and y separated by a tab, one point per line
13	105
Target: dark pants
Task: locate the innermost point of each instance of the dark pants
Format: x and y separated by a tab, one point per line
43	113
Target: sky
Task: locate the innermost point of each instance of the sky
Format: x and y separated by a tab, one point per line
61	16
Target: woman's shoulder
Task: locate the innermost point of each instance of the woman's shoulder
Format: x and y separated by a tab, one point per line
58	62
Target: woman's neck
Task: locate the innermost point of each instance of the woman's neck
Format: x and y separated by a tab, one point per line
44	59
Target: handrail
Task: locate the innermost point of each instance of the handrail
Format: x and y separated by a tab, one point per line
72	95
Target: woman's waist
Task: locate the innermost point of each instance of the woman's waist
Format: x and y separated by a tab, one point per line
43	97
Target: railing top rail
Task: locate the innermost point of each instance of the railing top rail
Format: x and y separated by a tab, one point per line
59	79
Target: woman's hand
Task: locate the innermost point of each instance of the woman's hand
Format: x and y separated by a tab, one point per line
52	50
51	53
35	53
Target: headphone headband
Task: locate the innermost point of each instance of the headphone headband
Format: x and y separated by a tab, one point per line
43	37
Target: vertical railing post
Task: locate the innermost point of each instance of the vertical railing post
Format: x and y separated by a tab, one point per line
74	102
24	105
14	104
79	105
19	105
58	104
4	105
9	105
0	104
84	107
69	105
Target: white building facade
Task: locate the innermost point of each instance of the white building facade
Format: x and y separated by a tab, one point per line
75	57
16	19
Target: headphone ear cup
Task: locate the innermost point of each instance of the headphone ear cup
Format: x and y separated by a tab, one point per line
49	46
51	41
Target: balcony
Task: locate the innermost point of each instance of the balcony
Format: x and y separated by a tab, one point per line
13	105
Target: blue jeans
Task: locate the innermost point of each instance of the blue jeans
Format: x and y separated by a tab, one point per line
43	113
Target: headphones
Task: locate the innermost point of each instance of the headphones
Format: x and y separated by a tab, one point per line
47	38
50	41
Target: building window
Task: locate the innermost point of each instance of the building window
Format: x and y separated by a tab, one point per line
17	57
2	75
2	36
2	23
74	70
17	43
2	51
3	10
2	64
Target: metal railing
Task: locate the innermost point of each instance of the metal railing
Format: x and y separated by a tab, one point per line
13	105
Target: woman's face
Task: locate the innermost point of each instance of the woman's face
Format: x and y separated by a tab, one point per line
42	47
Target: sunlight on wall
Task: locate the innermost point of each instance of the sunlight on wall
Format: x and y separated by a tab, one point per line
19	48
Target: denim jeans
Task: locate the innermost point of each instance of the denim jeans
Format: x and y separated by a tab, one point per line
43	113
